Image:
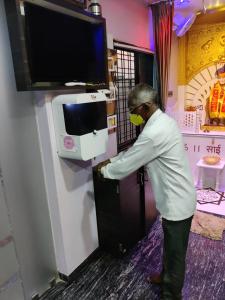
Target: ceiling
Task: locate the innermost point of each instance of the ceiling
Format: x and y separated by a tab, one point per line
187	6
186	12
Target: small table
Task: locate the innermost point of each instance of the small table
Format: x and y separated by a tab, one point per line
217	167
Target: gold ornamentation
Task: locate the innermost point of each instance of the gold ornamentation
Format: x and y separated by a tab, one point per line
209	128
202	45
222	40
206	46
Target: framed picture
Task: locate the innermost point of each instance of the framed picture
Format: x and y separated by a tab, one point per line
112	122
79	3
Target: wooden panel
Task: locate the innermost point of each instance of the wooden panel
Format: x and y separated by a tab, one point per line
118	210
130	206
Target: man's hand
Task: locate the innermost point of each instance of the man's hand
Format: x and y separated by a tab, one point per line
100	165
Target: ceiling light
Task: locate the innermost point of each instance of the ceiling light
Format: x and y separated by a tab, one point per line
179	3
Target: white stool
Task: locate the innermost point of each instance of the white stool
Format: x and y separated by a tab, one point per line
217	167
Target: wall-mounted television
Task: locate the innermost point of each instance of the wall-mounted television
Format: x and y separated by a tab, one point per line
56	45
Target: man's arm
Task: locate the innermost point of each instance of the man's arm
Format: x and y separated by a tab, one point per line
117	157
135	157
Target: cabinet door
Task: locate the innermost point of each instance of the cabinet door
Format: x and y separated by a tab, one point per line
108	212
106	195
131	210
121	210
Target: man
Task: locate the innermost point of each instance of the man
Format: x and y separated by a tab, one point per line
160	149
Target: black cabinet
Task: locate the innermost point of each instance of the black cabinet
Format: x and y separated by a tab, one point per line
151	212
120	212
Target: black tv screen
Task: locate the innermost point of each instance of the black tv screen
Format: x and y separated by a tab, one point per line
63	48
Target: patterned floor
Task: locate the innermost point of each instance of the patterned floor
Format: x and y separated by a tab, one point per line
205	196
122	279
211	201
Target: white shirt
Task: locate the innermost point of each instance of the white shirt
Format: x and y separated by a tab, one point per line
160	149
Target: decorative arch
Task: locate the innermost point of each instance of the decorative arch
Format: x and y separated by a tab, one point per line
198	88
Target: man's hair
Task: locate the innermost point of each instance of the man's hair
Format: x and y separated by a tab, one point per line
142	93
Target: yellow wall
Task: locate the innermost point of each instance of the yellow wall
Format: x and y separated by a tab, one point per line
200	48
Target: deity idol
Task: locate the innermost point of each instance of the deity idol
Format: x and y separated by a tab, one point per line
215	104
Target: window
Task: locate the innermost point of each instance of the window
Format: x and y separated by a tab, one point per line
132	68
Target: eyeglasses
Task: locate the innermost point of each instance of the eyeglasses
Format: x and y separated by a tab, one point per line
132	111
146	103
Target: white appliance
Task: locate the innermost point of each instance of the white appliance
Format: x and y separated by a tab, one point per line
183	24
80	122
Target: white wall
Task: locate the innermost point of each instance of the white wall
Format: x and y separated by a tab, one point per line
10	279
22	171
174	101
127	21
70	194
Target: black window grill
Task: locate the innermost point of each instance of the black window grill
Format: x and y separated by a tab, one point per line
125	81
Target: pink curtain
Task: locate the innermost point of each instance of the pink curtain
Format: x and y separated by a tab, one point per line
162	14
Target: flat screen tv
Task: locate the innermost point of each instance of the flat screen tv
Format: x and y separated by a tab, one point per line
57	46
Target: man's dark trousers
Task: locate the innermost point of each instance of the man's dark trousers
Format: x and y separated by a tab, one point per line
176	234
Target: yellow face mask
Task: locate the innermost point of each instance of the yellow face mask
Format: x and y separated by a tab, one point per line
137	120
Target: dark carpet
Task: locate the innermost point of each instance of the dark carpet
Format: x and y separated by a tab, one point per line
122	279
